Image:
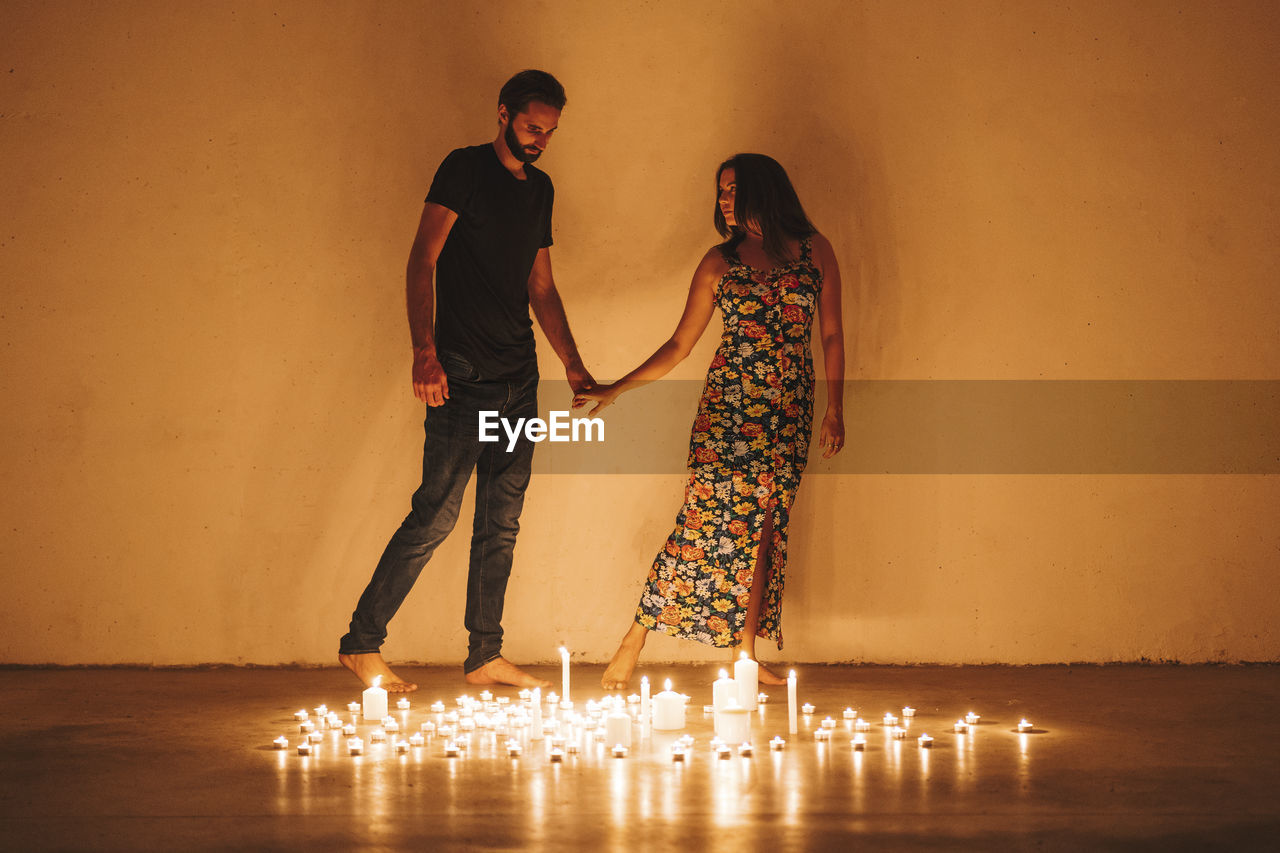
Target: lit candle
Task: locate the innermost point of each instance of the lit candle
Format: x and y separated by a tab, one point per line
828	723
668	710
859	742
619	751
572	748
451	749
733	723
391	726
644	701
723	750
281	742
746	676
353	707
355	746
677	752
890	720
722	690
961	727
556	754
925	742
618	728
745	750
972	718
322	711
822	734
807	709
349	729
375	700
861	725
300	715
315	737
762	698
437	707
566	702
307	728
513	749
535	723
304	748
1024	726
416	739
777	744
402	746
791	702
908	712
898	733
486	696
402	704
427	728
850	714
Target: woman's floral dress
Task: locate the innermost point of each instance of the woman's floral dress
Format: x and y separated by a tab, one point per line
747	453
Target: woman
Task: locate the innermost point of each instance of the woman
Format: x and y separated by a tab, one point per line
719	577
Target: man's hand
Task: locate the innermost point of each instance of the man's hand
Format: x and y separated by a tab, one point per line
579	377
430	385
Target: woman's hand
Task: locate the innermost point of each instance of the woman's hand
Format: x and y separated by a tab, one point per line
601	395
831	436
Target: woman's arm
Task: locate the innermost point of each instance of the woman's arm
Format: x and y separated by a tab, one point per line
698	308
831	328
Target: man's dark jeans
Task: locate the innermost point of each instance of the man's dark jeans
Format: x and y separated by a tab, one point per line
451	452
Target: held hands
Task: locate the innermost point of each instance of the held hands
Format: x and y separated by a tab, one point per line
831	436
430	385
601	395
579	377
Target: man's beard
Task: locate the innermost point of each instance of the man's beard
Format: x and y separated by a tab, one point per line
517	150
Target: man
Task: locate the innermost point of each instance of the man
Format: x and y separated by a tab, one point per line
485	237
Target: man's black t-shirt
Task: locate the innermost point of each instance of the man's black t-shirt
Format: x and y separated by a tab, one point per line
482	275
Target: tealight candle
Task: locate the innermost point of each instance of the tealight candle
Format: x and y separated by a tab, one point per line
315	737
972	718
553	698
322	711
677	752
556	754
427	728
416	739
572	748
961	727
828	723
349	729
777	744
374	700
859	742
451	750
300	715
504	700
708	709
353	707
890	720
377	736
861	725
304	748
451	717
762	698
467	724
745	750
908	712
535	719
850	714
437	707
402	746
524	694
898	733
1024	726
391	726
925	742
463	741
807	709
557	742
402	704
307	728
281	742
513	749
619	751
723	750
486	696
822	734
355	746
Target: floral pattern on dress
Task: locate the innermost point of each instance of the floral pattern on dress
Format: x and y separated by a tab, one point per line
747	453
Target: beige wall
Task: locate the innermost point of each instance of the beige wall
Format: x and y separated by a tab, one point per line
207	428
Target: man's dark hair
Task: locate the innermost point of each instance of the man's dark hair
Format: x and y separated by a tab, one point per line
528	86
765	198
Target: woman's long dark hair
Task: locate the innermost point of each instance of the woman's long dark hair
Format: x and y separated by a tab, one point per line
765	198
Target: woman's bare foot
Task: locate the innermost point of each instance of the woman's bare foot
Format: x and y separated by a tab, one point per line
763	675
369	666
503	671
618	673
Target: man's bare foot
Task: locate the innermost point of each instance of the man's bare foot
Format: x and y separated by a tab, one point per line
618	673
369	666
503	671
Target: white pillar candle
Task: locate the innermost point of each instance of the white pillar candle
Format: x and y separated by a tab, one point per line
733	723
535	718
644	701
668	710
375	700
722	690
746	675
565	701
791	702
618	728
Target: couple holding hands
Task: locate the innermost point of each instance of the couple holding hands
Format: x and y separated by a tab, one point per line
479	263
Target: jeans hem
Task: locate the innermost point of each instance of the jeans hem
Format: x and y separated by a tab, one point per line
489	659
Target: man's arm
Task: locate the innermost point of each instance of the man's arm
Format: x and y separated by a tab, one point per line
549	310
429	382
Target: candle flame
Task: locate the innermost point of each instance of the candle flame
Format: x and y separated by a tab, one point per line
377	680
792	674
667	686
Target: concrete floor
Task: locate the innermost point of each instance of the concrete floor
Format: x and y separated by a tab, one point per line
1122	758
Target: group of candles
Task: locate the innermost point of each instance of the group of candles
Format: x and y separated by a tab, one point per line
609	721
